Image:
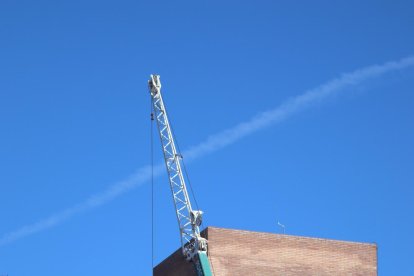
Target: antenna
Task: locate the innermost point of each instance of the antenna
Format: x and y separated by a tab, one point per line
281	226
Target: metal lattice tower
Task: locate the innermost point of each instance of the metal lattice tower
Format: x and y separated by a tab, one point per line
188	219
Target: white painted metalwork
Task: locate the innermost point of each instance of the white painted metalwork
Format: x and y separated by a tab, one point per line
188	219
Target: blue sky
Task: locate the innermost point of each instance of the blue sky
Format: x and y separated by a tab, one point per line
74	119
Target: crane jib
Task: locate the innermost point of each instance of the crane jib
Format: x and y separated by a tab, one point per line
194	247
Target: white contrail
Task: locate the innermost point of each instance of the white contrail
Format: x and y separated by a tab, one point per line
217	141
294	105
140	176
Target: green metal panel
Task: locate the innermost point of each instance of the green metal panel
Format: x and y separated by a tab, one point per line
204	264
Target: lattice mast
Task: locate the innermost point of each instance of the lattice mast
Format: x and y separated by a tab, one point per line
193	246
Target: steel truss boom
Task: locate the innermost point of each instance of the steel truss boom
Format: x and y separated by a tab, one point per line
193	246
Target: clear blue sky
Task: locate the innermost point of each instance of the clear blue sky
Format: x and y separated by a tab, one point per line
74	120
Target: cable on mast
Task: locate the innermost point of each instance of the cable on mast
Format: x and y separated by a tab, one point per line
152	187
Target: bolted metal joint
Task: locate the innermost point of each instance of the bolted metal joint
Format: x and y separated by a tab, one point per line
196	217
154	85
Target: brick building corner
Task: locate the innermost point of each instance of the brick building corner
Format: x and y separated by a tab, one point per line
239	252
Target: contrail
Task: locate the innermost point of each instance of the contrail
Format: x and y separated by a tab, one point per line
217	141
294	105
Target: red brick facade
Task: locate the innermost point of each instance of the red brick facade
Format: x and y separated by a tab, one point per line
237	252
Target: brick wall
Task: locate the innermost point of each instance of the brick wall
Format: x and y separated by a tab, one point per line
237	252
175	265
